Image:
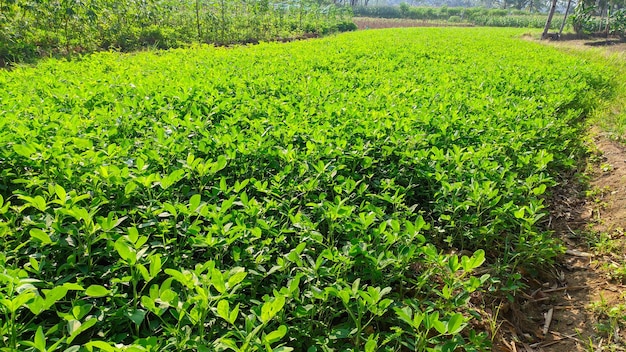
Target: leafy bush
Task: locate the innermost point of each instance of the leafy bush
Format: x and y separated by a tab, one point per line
346	26
31	29
582	19
618	22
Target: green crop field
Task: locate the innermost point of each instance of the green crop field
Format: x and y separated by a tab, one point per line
352	193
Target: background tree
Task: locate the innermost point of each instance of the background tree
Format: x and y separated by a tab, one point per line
544	35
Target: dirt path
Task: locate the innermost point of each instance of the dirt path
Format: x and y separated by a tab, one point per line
594	233
582	318
587	316
578	304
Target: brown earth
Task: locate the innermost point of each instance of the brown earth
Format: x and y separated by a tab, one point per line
570	41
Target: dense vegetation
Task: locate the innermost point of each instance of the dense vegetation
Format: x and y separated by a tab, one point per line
31	29
329	194
475	15
590	18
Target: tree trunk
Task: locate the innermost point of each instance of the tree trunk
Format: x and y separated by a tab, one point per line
608	19
569	4
197	8
549	21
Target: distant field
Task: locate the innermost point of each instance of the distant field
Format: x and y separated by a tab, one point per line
429	16
359	192
376	23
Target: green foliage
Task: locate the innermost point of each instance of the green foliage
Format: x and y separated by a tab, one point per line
31	29
303	196
585	20
518	21
618	22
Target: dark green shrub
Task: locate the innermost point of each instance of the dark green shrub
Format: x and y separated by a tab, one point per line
347	26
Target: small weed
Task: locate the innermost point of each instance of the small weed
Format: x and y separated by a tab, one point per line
606	167
611	318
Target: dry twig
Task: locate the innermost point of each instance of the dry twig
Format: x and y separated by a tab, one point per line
546	325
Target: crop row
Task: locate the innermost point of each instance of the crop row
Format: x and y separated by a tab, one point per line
334	194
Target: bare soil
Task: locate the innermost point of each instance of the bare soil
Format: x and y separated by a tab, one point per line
609	44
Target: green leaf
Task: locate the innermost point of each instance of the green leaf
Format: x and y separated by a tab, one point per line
136	316
430	319
41	236
73	286
53	296
233	314
219	164
355	286
236	278
129	188
180	277
16	303
433	321
282	349
125	251
342	333
539	190
226	343
217	279
144	272
75	328
80	310
271	308
155	265
38	202
276	335
97	291
25	150
476	260
405	314
223	309
40	339
4	207
344	295
133	235
194	202
453	263
371	345
455	324
36	305
104	346
172	178
61	194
